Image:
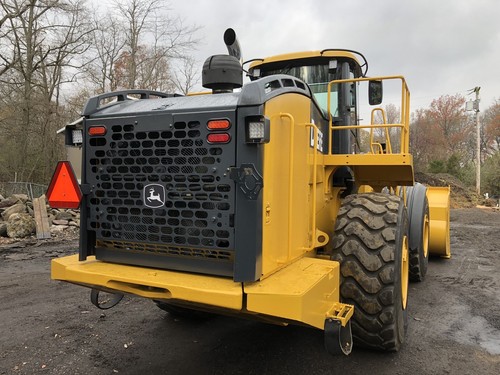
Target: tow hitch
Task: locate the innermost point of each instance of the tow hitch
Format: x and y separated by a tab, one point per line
338	336
105	300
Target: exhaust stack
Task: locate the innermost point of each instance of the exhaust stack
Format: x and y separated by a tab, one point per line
233	47
223	73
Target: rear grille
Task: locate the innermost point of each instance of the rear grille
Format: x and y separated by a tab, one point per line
161	249
196	217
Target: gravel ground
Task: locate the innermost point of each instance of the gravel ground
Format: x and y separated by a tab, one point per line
50	327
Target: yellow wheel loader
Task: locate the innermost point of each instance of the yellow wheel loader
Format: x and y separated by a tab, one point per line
269	200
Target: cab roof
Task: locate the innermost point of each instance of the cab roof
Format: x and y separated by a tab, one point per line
306	55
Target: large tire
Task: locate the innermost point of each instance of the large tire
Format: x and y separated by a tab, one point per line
371	244
418	214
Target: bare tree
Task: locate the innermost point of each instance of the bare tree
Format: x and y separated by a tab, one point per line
185	78
136	44
45	44
148	24
12	9
153	72
392	116
108	42
48	37
9	9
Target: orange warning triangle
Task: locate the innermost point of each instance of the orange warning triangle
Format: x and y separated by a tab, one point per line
64	191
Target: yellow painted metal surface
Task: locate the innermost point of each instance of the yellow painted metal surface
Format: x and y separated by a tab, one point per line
299	203
303	55
381	167
149	283
342	312
305	291
365	189
439	223
377	169
287	193
405	270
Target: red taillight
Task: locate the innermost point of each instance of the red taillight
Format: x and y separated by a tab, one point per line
97	130
218	138
64	191
218	124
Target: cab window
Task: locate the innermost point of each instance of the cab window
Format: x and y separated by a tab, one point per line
317	77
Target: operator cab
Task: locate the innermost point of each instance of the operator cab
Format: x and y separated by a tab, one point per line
317	69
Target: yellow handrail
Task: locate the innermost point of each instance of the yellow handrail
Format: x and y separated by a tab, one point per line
315	182
388	146
405	112
290	182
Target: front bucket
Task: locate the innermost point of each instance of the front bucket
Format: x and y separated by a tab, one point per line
439	221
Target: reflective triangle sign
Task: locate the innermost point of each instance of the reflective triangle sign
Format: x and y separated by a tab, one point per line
64	191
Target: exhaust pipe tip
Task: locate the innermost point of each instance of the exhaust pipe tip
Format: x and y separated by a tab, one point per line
232	44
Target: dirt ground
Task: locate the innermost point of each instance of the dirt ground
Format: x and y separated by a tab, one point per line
50	327
462	196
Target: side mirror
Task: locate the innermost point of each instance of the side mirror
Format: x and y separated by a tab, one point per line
375	92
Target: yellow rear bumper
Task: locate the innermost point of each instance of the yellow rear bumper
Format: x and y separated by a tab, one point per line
305	291
149	283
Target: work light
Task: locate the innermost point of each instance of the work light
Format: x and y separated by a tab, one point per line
257	129
76	136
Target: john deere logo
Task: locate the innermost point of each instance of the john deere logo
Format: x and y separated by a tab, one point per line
154	195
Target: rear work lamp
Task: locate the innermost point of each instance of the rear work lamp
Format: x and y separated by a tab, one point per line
257	129
76	136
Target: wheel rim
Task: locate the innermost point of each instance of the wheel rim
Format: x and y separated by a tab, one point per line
405	268
425	234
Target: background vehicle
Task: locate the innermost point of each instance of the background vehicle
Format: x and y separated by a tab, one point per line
262	202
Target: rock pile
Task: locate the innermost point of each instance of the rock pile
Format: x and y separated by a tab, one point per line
17	217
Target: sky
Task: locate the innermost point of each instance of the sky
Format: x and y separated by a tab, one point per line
442	47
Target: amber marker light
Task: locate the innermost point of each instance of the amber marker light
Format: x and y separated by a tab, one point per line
219	124
97	130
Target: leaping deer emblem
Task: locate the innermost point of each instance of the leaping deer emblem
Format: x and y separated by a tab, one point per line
153	196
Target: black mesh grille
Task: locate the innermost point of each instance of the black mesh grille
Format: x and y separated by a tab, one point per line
161	249
129	166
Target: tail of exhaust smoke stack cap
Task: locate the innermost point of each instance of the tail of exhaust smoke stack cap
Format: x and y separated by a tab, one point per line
233	47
